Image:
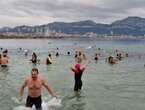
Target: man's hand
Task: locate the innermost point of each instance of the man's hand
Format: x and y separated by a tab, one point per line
20	98
54	95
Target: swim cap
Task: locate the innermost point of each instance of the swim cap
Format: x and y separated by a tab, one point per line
77	66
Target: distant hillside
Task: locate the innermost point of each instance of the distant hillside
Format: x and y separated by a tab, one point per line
129	26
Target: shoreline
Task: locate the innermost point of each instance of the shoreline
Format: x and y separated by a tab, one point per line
68	37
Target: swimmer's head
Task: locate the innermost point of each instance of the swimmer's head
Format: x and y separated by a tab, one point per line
34	73
49	55
77	66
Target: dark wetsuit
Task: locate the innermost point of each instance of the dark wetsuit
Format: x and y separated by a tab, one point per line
48	61
76	55
96	58
57	54
37	101
3	65
34	58
78	81
34	61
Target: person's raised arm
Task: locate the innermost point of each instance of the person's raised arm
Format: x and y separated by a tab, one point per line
73	69
85	66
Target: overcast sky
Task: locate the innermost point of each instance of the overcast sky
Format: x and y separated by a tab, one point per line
37	12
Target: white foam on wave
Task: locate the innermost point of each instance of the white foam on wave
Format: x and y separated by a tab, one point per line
45	105
17	101
54	102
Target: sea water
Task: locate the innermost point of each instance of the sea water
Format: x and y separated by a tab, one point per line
105	87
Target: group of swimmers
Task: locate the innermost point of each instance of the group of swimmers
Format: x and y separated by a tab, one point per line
118	56
79	55
112	59
35	60
35	81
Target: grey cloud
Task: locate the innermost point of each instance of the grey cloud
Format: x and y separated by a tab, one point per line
98	10
66	9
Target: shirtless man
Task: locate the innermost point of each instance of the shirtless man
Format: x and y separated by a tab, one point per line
34	83
4	61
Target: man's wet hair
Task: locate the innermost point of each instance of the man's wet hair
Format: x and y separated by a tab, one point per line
35	69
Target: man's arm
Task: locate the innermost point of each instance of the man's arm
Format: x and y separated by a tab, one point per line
21	92
49	89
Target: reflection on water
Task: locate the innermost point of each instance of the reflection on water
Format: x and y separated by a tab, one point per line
105	87
4	71
76	101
